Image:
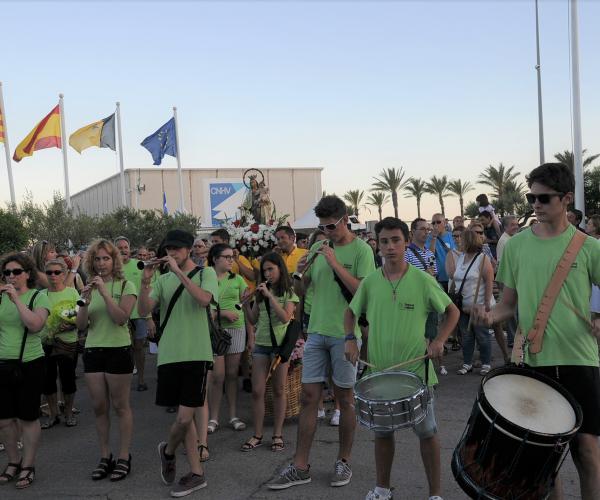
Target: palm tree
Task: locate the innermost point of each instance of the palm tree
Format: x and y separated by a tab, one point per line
512	197
354	197
566	157
496	178
378	199
390	180
438	186
460	189
416	189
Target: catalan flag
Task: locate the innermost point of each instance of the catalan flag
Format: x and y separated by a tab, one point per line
100	134
45	134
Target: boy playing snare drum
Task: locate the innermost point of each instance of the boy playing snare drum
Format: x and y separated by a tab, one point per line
396	300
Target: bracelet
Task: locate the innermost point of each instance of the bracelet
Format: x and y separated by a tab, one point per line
350	336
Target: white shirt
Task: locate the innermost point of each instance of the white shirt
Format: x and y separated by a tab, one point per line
468	291
500	246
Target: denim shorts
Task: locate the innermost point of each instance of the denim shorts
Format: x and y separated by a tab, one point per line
263	350
425	429
139	328
324	355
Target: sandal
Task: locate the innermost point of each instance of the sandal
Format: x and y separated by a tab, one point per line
71	421
465	369
7	477
105	466
27	480
142	387
213	426
237	424
50	422
277	443
122	469
204	453
250	445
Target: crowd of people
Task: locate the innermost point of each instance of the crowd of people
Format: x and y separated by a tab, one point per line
406	292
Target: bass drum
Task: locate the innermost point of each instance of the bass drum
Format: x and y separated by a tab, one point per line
517	436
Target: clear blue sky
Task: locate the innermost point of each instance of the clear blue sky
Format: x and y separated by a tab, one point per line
435	87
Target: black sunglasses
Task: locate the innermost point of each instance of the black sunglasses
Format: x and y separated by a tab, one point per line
543	198
55	273
15	272
330	227
436	222
478	232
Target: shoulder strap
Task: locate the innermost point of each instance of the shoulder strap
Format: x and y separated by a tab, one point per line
462	284
26	330
174	298
536	334
271	332
417	254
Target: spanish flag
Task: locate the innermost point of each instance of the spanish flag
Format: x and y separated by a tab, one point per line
1	128
100	134
45	134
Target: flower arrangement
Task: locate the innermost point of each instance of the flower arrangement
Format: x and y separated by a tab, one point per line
297	354
251	238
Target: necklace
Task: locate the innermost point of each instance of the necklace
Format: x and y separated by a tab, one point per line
394	288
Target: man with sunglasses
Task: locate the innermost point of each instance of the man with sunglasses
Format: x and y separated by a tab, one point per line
335	275
570	348
440	242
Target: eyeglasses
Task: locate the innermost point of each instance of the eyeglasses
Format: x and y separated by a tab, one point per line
423	229
330	227
437	222
478	232
457	236
55	273
543	198
15	272
228	257
199	246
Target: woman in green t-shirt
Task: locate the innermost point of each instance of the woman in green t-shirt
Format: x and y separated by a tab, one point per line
23	312
108	359
226	368
60	343
275	288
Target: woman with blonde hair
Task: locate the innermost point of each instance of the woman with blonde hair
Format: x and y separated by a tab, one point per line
108	356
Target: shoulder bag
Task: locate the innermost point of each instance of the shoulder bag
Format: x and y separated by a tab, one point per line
292	332
455	296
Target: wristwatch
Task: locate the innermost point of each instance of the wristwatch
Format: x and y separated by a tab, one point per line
74	271
350	336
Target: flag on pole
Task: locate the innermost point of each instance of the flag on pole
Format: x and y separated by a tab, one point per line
100	134
162	142
1	127
165	209
45	134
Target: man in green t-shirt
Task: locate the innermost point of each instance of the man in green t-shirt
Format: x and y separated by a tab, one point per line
184	354
570	348
397	299
335	276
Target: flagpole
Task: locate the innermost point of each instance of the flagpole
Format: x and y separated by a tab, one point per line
577	147
538	68
63	136
120	139
11	183
181	203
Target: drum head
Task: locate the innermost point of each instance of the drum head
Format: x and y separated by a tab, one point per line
386	386
530	403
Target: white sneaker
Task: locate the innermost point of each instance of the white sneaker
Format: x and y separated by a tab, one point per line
443	370
372	495
436	497
335	418
321	413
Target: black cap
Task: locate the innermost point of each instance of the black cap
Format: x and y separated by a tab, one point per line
178	238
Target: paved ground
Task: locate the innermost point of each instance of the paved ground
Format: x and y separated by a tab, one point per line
68	455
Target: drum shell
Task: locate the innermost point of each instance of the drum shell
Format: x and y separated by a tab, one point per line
497	459
388	415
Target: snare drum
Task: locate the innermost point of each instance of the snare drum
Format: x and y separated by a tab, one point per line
517	436
387	401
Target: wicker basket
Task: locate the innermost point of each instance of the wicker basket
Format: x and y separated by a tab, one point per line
293	388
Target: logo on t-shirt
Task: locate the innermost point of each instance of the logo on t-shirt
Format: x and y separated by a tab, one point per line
347	266
574	265
407	307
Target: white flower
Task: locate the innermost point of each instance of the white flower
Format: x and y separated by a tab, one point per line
256	248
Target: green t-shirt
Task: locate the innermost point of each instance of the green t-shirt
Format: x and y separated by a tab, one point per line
103	331
263	334
230	289
12	328
527	265
309	293
61	301
397	328
328	303
134	275
186	336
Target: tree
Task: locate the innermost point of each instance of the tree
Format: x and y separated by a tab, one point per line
472	210
591	187
390	180
590	195
354	197
415	189
566	157
512	197
13	234
497	177
439	187
378	199
460	189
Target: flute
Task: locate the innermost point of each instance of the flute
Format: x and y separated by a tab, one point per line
148	263
297	275
82	301
248	298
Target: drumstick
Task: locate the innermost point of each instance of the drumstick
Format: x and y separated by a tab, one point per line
418	358
366	363
476	297
577	313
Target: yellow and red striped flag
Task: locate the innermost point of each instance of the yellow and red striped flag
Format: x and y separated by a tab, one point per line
1	128
45	134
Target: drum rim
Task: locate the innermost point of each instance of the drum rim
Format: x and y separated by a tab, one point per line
517	370
421	389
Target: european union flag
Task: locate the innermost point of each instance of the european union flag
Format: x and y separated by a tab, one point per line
162	142
165	209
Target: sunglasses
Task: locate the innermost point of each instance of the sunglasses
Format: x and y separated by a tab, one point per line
15	272
330	227
544	198
55	273
478	232
436	222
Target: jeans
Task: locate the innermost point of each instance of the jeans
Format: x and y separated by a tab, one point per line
480	333
511	330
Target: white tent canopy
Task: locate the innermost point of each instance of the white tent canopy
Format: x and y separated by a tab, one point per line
308	221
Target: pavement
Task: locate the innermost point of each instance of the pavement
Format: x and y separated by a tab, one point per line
68	455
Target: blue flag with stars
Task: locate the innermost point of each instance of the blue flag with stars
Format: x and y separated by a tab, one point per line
162	142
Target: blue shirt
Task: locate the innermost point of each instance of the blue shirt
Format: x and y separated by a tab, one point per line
443	245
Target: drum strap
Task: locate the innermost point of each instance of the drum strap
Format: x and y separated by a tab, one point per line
536	334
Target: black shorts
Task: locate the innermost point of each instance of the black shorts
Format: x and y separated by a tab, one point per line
583	383
182	383
22	400
113	360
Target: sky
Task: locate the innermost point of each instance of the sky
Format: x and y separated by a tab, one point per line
437	88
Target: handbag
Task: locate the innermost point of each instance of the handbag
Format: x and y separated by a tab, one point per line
292	332
61	348
455	296
11	370
220	339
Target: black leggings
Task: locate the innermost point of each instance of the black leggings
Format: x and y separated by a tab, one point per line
61	366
